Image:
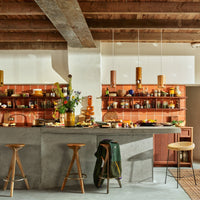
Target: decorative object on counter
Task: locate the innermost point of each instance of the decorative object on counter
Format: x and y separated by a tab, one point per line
90	108
177	91
161	78
66	105
110	116
180	123
1	78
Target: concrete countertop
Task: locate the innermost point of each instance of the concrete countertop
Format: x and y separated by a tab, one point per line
97	131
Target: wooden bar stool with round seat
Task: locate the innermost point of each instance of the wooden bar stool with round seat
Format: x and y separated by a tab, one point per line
178	147
75	147
15	158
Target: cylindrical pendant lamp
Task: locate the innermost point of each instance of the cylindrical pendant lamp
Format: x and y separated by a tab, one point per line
113	78
161	81
1	78
138	77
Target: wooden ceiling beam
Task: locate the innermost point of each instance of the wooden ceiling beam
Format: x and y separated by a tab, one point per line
108	7
174	37
26	25
68	19
19	8
31	37
142	23
33	45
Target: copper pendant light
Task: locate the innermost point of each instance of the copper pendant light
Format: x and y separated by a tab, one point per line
113	72
161	80
1	78
113	78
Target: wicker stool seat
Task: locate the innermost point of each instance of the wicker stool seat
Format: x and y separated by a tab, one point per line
15	158
178	147
75	147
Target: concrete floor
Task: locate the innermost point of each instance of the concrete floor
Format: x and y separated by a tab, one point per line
155	191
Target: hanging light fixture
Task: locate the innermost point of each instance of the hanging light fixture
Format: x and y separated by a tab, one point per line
138	69
1	78
161	78
113	72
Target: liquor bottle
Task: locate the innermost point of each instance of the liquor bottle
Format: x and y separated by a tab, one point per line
107	92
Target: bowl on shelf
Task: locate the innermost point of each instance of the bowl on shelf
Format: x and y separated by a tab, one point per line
121	93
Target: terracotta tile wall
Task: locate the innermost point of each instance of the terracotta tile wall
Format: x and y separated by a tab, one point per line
160	116
30	115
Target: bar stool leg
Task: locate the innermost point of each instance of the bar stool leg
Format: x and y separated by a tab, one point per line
9	173
193	171
167	167
119	182
79	170
68	172
178	166
13	173
22	171
108	171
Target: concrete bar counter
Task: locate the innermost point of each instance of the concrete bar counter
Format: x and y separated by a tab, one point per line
46	157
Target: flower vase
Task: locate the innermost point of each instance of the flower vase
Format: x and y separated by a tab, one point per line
69	118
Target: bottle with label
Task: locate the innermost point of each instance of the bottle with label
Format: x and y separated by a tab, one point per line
107	92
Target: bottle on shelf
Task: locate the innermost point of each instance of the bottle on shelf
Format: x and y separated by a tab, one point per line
107	92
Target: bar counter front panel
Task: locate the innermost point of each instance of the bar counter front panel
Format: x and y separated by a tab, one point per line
46	157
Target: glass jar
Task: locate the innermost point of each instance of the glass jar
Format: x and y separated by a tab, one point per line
171	92
127	104
122	103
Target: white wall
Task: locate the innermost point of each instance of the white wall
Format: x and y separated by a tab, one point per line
33	67
84	65
178	69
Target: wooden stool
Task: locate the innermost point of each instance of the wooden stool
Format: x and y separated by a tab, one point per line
15	157
75	147
180	146
107	162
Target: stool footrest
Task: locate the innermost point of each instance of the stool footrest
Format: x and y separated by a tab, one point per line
75	178
19	178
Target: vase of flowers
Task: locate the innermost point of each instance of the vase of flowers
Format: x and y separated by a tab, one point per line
66	105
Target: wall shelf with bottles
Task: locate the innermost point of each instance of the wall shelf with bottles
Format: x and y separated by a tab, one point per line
32	103
142	103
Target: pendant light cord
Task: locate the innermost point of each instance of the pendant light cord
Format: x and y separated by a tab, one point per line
138	47
113	49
